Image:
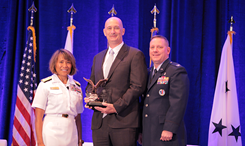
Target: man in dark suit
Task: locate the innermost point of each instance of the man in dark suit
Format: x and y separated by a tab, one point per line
116	125
165	99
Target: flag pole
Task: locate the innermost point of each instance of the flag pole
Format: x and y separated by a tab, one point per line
231	21
155	11
154	30
231	32
71	27
33	9
112	11
71	10
69	38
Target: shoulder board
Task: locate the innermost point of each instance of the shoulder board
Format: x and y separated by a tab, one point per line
175	64
47	79
77	83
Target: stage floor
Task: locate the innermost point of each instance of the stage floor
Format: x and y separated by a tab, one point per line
91	144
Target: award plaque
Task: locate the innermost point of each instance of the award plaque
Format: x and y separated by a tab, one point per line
96	93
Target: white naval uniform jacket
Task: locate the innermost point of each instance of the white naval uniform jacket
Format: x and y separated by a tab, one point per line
56	99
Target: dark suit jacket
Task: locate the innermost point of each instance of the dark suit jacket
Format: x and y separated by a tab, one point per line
126	82
164	105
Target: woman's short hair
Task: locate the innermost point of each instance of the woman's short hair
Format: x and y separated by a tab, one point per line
67	55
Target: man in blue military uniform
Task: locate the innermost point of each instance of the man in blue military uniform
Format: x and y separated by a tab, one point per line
165	99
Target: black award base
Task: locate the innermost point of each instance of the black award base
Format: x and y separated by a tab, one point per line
95	103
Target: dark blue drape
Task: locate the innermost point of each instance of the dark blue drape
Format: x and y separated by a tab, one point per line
196	30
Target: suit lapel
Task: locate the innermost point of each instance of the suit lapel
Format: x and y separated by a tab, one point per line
101	60
159	73
121	54
149	76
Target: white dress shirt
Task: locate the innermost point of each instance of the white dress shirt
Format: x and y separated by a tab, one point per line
115	50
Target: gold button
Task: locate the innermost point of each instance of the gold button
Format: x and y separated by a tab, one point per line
146	115
147	95
146	105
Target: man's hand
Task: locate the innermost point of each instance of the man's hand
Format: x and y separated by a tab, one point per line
166	135
86	100
140	138
108	110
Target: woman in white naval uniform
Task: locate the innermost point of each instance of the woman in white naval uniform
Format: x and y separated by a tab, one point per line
59	100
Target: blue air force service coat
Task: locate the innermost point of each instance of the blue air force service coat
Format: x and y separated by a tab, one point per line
164	105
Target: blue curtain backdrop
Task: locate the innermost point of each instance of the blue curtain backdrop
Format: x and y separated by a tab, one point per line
196	30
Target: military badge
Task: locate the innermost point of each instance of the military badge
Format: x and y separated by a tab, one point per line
163	80
78	90
75	88
161	92
72	87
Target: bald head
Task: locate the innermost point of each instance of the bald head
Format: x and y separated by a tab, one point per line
114	31
114	19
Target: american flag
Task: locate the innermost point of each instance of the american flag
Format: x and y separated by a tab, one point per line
24	118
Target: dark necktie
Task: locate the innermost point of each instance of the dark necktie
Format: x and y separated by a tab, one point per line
155	72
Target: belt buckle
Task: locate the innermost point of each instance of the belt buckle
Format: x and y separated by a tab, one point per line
65	115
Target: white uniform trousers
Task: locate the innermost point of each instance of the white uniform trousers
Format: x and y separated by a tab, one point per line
59	131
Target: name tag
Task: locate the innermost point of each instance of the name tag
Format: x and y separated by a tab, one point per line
54	88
